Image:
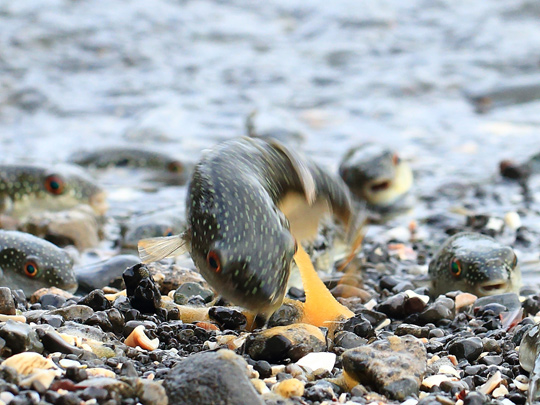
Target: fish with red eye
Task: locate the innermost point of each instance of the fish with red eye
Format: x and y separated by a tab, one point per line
30	263
213	261
474	263
54	184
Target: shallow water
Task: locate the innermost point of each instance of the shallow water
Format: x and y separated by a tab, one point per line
181	75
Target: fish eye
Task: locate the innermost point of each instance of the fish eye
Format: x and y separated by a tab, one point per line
168	232
395	159
54	184
213	261
175	167
31	268
514	261
455	267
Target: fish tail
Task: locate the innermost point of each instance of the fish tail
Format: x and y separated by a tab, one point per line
154	249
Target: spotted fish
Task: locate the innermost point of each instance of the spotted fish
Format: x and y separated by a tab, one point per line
474	263
376	174
25	189
30	263
248	203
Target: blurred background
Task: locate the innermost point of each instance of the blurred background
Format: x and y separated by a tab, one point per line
451	85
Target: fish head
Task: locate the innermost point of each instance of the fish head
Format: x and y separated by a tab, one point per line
251	268
482	267
31	267
376	174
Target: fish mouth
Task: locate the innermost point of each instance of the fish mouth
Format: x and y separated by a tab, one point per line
381	185
98	202
493	287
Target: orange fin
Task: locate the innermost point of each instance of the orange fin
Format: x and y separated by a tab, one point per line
320	308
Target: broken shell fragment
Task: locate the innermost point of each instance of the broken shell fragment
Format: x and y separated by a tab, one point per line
28	362
139	338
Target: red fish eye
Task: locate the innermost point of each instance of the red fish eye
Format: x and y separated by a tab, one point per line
455	267
175	167
213	261
54	184
31	268
395	159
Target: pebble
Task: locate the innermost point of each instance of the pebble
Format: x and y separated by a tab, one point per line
74	312
469	348
95	300
281	342
191	289
316	361
7	304
228	318
289	388
20	337
141	289
395	366
211	377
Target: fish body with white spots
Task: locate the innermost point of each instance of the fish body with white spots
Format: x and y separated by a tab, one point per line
474	263
249	202
30	263
29	188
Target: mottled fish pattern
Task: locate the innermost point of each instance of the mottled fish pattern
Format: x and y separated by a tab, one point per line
30	263
238	237
474	263
28	188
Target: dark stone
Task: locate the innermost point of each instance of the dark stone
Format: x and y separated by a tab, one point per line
394	306
320	391
51	301
7	303
417	331
76	374
54	320
101	320
475	398
128	370
359	326
53	342
78	313
469	348
99	394
68	399
509	300
228	318
211	378
263	368
96	300
287	314
491	360
436	312
141	289
20	337
116	320
348	340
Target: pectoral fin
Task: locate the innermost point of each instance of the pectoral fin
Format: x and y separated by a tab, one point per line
154	249
302	170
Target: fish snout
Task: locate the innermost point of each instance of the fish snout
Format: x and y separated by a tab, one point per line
497	280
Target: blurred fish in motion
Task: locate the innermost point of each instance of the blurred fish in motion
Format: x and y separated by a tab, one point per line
249	202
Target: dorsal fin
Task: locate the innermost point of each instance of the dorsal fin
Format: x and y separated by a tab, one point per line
301	168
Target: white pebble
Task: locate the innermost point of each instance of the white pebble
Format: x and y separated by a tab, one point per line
512	220
315	361
69	363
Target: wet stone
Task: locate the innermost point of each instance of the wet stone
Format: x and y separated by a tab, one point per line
54	320
7	303
53	342
192	289
282	342
20	337
393	366
491	360
263	368
51	301
211	377
469	348
416	331
74	312
96	300
474	398
141	289
228	318
509	300
320	391
435	313
348	340
360	326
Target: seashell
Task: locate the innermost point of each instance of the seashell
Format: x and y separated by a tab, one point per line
491	384
289	388
28	362
139	338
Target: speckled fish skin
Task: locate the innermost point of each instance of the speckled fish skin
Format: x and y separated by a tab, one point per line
487	266
232	210
27	188
375	174
53	266
127	157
